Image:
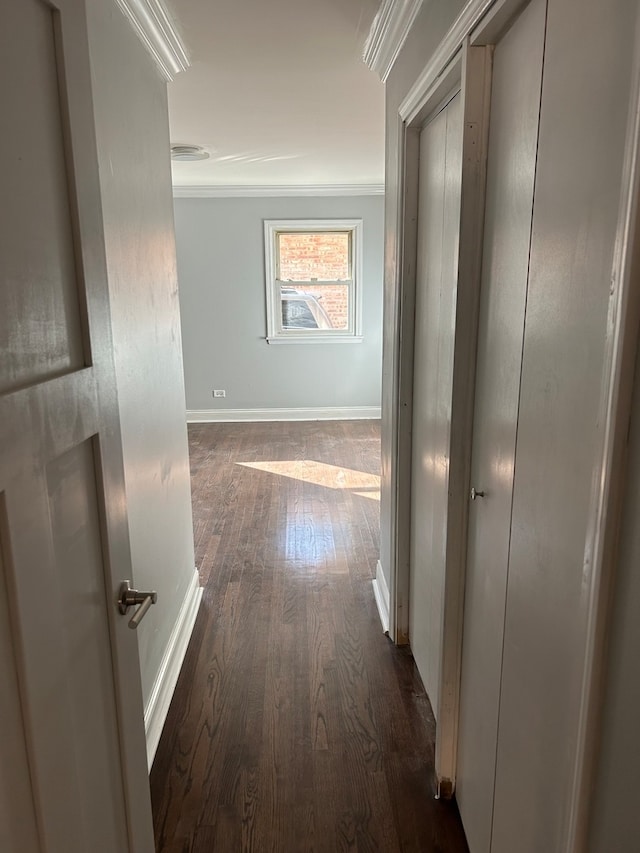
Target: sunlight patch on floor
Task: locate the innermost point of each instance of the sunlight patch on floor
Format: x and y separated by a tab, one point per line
322	474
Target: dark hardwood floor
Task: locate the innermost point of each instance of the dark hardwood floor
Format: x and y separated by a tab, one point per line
296	725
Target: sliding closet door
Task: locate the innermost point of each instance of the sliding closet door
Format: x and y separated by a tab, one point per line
511	167
436	288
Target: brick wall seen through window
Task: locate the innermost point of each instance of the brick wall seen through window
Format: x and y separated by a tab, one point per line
322	256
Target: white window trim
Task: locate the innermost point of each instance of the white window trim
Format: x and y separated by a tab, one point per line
275	334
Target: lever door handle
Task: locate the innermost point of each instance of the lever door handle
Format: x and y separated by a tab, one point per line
130	598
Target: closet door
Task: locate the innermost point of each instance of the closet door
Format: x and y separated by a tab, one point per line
436	287
511	167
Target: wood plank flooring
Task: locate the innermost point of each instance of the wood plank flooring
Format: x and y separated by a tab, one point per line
296	725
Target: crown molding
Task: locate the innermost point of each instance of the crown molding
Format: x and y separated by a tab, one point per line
463	26
153	26
306	190
388	33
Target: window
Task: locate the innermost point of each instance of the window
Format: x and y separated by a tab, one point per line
313	276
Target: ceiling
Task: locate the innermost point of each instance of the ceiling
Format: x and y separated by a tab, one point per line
278	93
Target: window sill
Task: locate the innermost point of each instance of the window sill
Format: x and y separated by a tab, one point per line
314	339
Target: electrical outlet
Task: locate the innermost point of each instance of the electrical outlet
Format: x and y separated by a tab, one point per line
219	393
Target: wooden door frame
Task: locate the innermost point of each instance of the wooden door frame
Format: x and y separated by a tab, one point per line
464	56
469	69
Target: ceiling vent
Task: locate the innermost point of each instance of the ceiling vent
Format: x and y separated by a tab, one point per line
188	153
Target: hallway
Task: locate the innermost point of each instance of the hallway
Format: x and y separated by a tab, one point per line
296	725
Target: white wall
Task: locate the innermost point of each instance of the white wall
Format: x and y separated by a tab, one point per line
130	105
220	247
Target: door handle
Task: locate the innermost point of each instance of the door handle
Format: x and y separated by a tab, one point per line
130	598
475	494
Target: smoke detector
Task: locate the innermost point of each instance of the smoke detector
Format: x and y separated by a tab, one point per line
188	153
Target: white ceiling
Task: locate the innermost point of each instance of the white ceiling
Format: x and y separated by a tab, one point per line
277	93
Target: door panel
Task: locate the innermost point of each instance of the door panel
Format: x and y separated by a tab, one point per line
77	703
436	277
77	545
39	272
17	812
515	106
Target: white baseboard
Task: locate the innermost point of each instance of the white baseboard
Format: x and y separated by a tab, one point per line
381	593
157	707
336	413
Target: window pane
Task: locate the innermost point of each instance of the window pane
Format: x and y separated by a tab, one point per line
315	307
324	256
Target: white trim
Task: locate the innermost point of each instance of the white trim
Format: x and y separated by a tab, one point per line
299	190
337	413
159	700
388	33
403	318
609	474
381	593
275	331
314	338
155	29
466	21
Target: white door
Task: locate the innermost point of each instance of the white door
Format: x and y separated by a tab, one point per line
435	312
73	774
513	135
